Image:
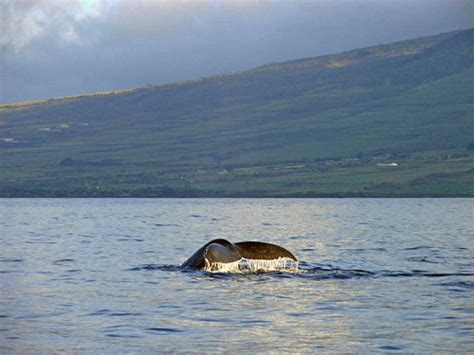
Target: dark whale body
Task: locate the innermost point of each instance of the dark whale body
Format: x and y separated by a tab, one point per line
223	251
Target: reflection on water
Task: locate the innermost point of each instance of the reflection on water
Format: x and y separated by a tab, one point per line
102	275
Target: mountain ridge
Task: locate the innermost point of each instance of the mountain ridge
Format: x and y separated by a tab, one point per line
225	74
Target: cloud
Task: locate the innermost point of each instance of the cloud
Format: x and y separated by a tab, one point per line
63	47
26	20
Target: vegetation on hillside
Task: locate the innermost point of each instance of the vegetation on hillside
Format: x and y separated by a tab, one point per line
324	126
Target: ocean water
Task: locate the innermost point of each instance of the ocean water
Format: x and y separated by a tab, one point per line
103	275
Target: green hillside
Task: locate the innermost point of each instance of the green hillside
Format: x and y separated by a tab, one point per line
389	120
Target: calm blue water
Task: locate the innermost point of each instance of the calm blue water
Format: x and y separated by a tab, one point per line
102	275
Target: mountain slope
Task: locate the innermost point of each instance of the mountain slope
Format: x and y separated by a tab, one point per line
311	127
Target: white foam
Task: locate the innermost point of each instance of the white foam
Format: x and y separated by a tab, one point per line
254	265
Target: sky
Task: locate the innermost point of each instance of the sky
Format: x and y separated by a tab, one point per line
54	48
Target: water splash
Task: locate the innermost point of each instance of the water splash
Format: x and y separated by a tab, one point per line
254	265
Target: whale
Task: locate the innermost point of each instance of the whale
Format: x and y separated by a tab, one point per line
221	251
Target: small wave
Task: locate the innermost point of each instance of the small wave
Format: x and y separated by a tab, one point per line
124	314
421	273
74	270
163	330
124	336
156	267
419	247
468	285
62	261
108	312
321	272
422	259
99	312
11	260
285	267
390	347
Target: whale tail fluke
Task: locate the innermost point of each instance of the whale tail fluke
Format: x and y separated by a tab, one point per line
212	252
218	253
263	251
222	252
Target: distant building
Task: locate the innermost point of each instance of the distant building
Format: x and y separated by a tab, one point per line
390	165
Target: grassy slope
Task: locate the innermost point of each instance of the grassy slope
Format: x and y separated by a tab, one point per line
316	126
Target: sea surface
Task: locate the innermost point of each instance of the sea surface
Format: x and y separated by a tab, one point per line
103	275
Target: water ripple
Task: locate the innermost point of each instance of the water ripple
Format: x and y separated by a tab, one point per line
63	261
310	271
163	330
103	276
